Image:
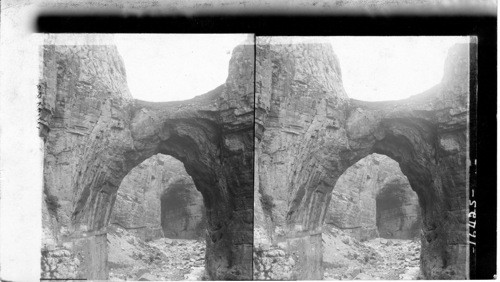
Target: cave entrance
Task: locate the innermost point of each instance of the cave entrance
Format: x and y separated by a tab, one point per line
157	227
398	212
373	223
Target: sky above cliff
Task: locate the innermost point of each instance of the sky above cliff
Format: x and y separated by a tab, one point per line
391	68
180	66
175	67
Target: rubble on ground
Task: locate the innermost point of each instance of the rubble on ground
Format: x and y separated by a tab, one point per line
130	258
345	258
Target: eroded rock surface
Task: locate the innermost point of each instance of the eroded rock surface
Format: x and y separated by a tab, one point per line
94	133
308	132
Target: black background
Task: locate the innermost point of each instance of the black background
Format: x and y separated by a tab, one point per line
483	106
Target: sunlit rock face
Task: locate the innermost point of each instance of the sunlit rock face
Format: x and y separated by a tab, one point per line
94	134
308	133
374	199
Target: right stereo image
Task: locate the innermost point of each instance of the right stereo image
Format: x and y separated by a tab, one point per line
362	157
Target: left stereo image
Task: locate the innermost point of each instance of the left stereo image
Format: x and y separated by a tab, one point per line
148	156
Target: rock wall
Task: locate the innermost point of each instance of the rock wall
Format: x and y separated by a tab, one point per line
308	132
182	210
94	133
354	204
298	92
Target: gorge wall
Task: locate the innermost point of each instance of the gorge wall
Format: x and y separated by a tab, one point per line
95	133
308	132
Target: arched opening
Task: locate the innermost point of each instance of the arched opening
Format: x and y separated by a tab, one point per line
157	226
372	225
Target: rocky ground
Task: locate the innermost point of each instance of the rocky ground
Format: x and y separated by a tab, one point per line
131	258
346	258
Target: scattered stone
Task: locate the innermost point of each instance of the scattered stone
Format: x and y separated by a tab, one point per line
375	260
363	276
346	240
353	272
196	273
147	277
162	261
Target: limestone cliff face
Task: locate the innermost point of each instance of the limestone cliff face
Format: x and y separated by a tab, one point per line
83	91
373	198
299	98
95	134
308	133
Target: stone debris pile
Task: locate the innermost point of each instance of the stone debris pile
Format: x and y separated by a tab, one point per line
346	258
58	263
162	259
272	263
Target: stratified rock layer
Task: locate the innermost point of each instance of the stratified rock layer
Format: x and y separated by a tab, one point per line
94	133
373	198
308	132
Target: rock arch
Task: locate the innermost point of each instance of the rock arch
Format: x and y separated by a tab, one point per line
95	133
309	132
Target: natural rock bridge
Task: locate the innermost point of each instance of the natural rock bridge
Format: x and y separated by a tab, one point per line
94	133
308	132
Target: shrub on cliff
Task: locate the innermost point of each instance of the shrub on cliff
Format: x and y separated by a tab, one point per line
267	203
52	203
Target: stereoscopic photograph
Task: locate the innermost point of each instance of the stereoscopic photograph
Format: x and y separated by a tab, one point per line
361	149
248	140
362	158
148	156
